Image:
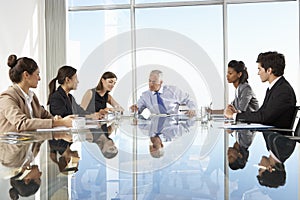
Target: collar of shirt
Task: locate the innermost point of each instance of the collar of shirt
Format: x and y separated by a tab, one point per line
237	91
29	96
273	82
29	156
160	91
28	99
273	156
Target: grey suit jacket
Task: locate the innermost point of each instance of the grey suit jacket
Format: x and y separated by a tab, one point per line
15	115
246	100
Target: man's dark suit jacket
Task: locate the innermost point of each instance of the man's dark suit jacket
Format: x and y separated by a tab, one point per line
278	107
63	105
281	146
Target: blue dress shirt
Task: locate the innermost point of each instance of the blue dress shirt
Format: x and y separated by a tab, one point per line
172	98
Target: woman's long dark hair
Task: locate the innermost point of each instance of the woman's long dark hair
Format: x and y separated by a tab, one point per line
105	76
62	74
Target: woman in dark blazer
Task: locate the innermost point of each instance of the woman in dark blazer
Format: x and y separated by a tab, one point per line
60	101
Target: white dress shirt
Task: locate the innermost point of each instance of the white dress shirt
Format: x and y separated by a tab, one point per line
28	99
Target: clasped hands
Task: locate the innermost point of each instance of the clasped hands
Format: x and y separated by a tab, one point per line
229	111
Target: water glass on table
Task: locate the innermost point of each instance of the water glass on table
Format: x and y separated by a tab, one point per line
117	112
204	114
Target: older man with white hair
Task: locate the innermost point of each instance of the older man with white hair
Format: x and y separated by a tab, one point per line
163	99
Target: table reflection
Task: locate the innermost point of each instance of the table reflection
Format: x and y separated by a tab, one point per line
238	154
163	157
272	171
164	129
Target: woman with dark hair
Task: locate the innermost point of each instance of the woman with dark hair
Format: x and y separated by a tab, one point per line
245	99
60	101
66	159
20	109
25	183
96	99
238	154
104	142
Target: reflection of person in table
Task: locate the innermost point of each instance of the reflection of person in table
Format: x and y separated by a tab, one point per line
26	183
68	159
238	154
164	129
17	162
101	137
271	171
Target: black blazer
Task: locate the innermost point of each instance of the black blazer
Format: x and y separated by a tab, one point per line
281	146
63	105
278	107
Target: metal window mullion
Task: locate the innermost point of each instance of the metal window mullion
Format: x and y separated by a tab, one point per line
134	96
167	4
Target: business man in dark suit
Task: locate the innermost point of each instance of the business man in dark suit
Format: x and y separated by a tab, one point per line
280	100
272	172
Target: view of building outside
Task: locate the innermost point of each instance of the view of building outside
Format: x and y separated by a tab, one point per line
188	44
185	42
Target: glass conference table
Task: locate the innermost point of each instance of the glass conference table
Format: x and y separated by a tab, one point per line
171	157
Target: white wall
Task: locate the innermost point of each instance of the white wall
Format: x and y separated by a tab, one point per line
23	34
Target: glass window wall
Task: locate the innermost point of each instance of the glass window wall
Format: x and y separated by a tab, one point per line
187	44
97	2
261	27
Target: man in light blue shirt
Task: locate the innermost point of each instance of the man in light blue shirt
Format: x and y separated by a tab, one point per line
163	99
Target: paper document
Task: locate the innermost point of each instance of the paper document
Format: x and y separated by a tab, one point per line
252	126
63	128
59	128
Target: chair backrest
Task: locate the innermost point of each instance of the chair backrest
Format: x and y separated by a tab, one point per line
296	122
297	108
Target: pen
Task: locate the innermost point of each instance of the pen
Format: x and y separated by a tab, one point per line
262	167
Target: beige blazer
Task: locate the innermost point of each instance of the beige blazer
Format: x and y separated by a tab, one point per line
15	115
13	155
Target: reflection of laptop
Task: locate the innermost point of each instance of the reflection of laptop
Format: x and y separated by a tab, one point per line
295	126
